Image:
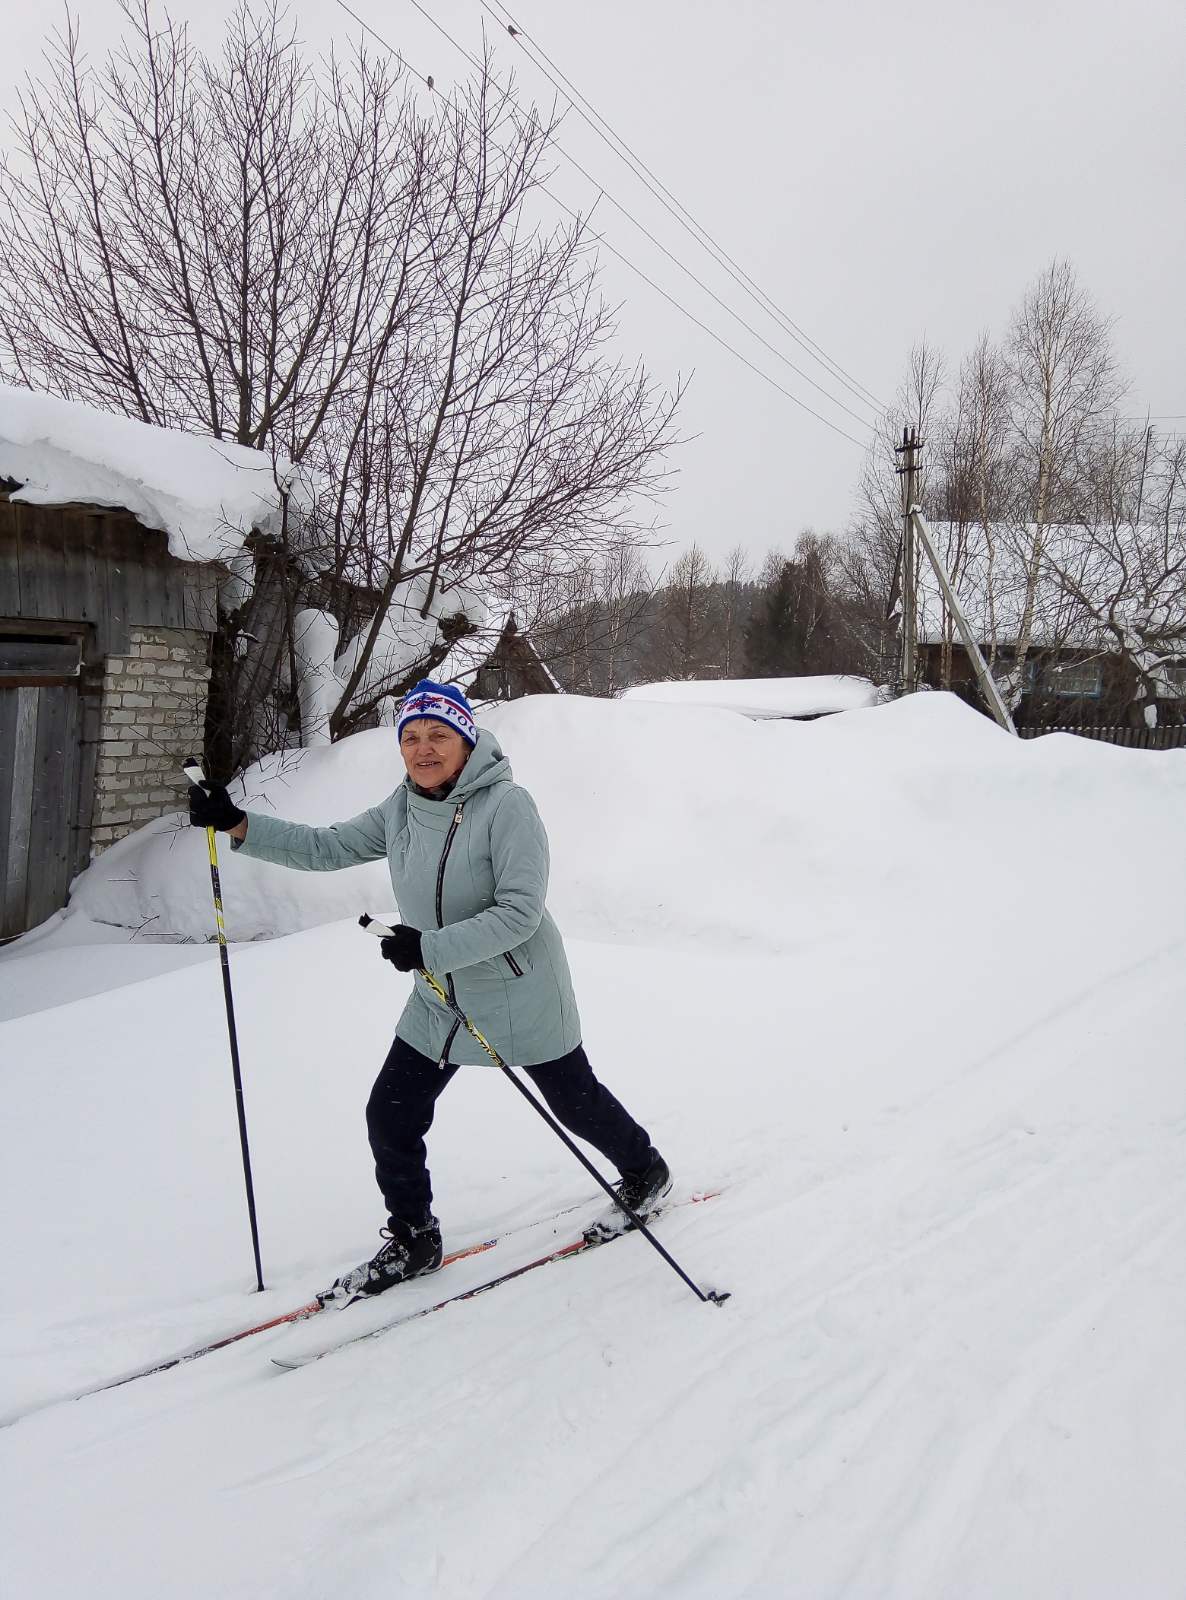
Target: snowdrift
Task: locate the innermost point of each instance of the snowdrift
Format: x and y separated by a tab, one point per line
906	991
766	697
671	824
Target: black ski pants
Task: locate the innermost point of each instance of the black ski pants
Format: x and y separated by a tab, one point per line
400	1112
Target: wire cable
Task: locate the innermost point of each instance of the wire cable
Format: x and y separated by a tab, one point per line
613	250
668	200
863	421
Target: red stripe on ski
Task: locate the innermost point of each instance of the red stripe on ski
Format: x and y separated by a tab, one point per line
301	1314
310	1309
575	1248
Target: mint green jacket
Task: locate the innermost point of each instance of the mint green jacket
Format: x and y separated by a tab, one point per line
471	872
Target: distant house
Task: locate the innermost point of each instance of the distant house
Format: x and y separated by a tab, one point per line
797	699
113	542
1074	675
507	669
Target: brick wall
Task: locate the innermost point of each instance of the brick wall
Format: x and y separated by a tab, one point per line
153	716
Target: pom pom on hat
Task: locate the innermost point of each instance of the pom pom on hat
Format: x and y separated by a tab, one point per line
440	702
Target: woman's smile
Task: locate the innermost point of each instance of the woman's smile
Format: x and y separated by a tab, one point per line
433	752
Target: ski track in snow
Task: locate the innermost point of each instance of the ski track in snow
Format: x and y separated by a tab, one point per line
953	1224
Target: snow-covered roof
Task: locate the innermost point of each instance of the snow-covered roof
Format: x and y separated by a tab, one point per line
765	697
473	650
1058	620
204	494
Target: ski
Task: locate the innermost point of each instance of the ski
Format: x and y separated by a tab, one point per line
311	1308
576	1247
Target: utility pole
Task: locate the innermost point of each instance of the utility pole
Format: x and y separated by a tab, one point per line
988	688
908	472
916	536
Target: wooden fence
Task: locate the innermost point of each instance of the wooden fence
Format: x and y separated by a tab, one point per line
1170	738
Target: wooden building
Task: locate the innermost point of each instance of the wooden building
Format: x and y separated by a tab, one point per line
1074	676
104	650
513	668
1066	687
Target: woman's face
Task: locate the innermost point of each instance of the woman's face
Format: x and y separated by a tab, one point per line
433	752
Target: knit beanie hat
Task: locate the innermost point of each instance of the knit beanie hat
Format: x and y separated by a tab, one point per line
440	702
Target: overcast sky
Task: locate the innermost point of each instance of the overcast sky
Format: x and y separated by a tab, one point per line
881	172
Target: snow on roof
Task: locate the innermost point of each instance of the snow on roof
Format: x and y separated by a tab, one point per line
765	697
205	494
471	651
1058	620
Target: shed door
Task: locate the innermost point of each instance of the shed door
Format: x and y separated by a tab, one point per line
40	748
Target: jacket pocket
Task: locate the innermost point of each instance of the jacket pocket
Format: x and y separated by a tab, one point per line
513	964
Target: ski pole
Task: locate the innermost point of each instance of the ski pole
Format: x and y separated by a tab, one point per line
193	771
708	1296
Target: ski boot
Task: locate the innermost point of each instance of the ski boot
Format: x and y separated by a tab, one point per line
641	1191
406	1252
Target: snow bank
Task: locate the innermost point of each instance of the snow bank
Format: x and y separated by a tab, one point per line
206	495
765	697
674	823
158	878
908	991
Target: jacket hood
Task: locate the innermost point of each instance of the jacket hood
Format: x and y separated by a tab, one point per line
486	765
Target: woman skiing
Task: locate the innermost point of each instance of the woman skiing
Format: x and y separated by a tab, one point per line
469	865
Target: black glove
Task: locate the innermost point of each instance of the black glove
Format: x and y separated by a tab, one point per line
212	807
402	949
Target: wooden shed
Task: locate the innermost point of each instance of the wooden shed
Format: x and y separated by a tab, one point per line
115	537
512	668
104	649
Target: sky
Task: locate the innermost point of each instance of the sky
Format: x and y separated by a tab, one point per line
881	173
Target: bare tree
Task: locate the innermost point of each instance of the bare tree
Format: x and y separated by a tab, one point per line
876	533
298	260
972	491
1065	385
590	623
1123	563
734	578
796	627
684	645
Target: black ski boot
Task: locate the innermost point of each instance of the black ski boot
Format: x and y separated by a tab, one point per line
407	1252
641	1191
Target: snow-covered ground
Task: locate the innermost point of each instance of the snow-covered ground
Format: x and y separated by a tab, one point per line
765	697
908	991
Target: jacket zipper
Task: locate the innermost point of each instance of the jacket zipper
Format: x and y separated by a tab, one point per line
453	826
513	964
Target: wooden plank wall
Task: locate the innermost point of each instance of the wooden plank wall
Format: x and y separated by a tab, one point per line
78	566
40	746
1167	737
75	564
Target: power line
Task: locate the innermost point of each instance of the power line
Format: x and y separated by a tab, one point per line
614	251
663	194
683	267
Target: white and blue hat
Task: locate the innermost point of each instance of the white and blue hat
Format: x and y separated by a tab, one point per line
442	703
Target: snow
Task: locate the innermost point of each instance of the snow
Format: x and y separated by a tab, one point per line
32	969
205	494
765	697
907	990
411	630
